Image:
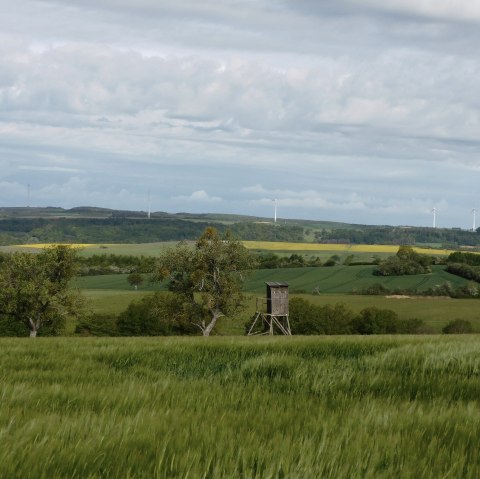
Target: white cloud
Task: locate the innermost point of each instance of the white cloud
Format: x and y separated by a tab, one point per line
468	10
200	196
129	96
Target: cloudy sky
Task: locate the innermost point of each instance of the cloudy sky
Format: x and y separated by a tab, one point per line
364	111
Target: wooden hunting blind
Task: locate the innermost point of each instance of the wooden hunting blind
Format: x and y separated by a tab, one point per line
277	298
272	312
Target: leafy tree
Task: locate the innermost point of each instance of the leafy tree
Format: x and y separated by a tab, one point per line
35	289
405	262
135	279
208	277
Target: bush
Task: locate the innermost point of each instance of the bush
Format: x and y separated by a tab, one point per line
412	326
306	318
376	289
405	262
376	321
97	325
458	326
157	315
471	259
464	270
11	328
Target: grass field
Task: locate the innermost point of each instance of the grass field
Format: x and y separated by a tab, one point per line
301	408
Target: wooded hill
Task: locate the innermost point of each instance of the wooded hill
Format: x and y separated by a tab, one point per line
102	225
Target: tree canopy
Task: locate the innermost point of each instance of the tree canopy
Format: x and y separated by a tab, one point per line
35	288
208	277
405	262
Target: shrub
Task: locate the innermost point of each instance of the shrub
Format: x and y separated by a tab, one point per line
9	327
412	326
97	325
157	315
376	321
306	318
405	262
464	270
458	326
376	289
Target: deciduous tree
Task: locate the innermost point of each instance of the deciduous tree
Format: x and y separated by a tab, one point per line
208	276
35	288
135	279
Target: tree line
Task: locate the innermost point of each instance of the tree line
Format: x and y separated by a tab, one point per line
133	230
399	235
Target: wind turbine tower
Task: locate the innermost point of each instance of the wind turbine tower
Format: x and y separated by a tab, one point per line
28	195
434	211
148	215
474	214
275	215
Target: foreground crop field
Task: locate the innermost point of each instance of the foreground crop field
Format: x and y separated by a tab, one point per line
242	408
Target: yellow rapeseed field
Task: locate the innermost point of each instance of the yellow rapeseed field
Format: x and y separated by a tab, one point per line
47	245
347	248
282	246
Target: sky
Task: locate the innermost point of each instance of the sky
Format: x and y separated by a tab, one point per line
360	111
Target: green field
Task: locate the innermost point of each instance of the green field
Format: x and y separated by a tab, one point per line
111	294
303	408
344	279
336	279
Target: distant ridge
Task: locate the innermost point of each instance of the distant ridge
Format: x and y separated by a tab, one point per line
90	224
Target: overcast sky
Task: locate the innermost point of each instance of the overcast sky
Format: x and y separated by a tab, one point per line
364	111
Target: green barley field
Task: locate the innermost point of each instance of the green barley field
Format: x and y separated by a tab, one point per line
329	407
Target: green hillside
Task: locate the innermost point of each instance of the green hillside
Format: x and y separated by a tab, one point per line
333	280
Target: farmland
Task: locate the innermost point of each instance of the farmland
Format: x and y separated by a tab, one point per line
336	248
111	294
333	407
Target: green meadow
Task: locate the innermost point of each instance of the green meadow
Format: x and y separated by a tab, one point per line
329	407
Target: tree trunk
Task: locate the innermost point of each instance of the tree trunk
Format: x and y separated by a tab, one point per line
215	315
33	327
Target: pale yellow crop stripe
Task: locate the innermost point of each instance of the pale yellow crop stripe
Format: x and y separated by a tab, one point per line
47	245
358	248
279	246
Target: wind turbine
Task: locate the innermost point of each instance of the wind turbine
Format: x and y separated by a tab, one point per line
148	215
434	211
275	216
474	214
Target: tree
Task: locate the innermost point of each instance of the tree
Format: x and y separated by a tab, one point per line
135	279
405	262
208	277
35	288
